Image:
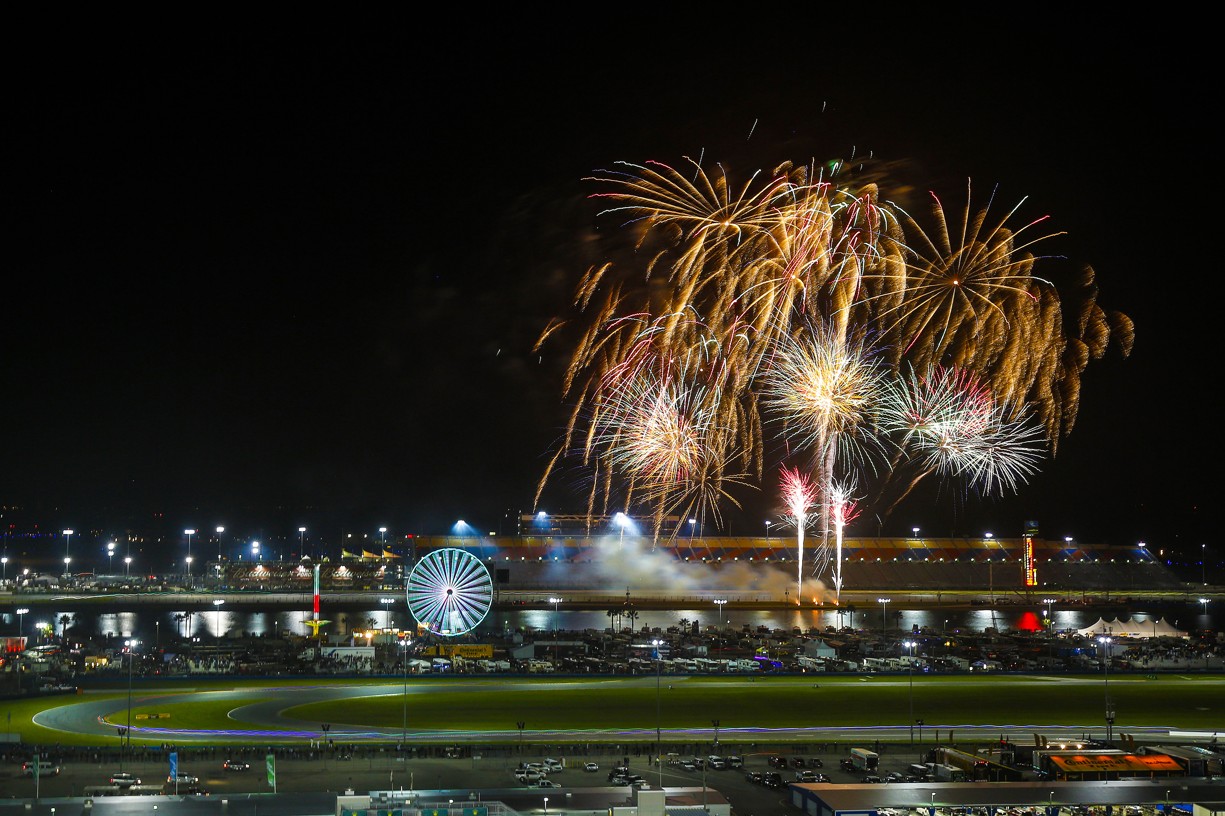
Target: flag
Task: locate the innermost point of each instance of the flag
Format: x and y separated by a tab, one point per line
270	764
174	764
389	554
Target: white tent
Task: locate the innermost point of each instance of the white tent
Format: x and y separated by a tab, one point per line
1132	629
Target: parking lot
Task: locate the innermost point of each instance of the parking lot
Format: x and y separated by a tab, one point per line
741	778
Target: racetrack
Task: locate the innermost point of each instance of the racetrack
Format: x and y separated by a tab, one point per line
623	710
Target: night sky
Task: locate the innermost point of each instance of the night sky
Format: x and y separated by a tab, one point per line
266	281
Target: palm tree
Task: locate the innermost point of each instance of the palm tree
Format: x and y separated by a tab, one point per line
64	621
632	614
613	614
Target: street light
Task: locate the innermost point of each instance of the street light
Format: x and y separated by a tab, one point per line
21	613
217	602
67	561
383	536
404	703
301	541
1203	559
255	553
659	751
4	563
219	531
130	648
127	565
386	602
555	602
692	524
883	624
67	541
1050	622
110	556
768	523
915	530
189	534
910	644
720	602
1203	606
1105	642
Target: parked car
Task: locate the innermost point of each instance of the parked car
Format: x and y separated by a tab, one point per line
688	765
591	766
235	765
894	776
124	779
805	776
875	780
846	764
45	768
755	777
797	762
734	761
772	779
546	783
816	762
182	779
777	762
529	776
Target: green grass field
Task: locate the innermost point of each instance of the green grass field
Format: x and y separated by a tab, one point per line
1181	702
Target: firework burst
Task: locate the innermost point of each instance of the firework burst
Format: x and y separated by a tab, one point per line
800	494
704	329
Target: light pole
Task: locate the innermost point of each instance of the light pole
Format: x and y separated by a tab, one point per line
1105	642
67	542
189	534
555	602
1203	559
110	557
720	602
659	751
768	523
21	620
1203	605
301	542
4	563
404	702
990	574
883	624
127	565
693	523
217	602
910	644
255	553
219	531
67	561
383	536
386	602
131	650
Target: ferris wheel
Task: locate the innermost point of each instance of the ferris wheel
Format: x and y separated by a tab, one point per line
449	592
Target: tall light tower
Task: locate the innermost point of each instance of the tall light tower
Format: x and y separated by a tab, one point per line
1105	641
883	625
67	554
110	556
219	531
910	645
189	534
301	541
